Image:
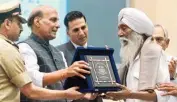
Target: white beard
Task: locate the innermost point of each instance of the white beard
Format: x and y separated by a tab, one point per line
129	47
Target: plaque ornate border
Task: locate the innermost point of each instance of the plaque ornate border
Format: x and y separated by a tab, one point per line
101	72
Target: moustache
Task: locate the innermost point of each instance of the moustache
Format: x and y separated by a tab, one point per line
124	41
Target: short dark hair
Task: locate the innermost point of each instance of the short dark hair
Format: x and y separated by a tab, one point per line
31	18
72	16
2	20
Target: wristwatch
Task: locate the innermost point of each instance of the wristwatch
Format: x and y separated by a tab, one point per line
174	77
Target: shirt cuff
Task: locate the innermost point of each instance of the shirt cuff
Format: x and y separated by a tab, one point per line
174	81
21	79
37	77
172	99
161	98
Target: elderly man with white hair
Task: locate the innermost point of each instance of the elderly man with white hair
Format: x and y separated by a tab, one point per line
143	64
160	36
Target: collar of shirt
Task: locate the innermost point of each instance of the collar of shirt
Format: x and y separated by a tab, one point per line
75	45
9	41
5	38
39	40
137	57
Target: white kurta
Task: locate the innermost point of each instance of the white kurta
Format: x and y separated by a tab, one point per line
133	78
172	99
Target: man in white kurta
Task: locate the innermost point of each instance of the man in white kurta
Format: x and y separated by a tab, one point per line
142	61
160	36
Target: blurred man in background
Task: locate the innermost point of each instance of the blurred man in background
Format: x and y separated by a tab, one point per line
160	36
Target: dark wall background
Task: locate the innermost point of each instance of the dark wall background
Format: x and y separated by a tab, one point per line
102	16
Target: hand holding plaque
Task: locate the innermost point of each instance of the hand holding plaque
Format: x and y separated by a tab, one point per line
104	74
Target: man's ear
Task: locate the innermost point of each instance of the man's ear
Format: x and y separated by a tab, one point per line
87	25
167	42
7	24
67	31
37	21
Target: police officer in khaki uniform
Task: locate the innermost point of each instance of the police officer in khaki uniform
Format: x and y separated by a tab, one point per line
13	77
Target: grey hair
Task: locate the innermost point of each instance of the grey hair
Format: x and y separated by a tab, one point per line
164	30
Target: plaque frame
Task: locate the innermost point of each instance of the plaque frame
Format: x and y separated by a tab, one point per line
90	84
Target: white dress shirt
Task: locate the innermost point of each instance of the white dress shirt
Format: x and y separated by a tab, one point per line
75	45
172	99
31	64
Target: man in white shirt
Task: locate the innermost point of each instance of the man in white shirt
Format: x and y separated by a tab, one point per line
44	63
160	36
142	60
77	30
13	76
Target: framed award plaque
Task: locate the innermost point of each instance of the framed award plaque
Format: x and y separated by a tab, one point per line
104	74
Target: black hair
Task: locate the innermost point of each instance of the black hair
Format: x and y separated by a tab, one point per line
9	18
73	15
1	21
